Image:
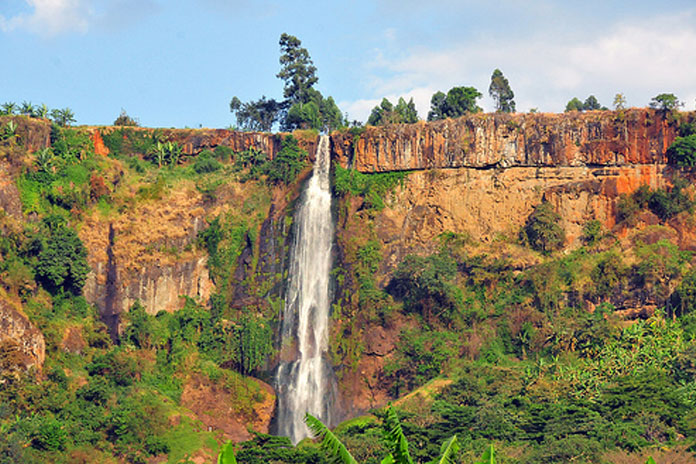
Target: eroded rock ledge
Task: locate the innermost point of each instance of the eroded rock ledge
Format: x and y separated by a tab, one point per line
494	140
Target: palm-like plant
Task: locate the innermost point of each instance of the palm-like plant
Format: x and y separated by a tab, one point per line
332	446
9	108
41	111
394	436
44	159
10	130
26	109
63	117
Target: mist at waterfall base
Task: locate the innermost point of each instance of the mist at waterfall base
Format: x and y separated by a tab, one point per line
307	384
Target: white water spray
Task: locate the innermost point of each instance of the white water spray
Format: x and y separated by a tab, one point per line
306	384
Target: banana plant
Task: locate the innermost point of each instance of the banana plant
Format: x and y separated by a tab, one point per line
9	108
226	455
10	130
332	446
488	456
41	111
26	109
394	437
44	159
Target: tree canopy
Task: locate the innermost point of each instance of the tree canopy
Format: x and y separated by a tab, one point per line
665	102
387	113
500	91
457	102
296	69
303	106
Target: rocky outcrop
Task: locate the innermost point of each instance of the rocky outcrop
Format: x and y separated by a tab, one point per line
494	140
193	141
485	204
146	254
22	345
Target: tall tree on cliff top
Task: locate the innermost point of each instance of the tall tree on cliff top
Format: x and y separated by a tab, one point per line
500	91
303	108
457	102
296	69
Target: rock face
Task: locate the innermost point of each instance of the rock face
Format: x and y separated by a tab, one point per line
146	255
22	345
597	138
193	141
489	203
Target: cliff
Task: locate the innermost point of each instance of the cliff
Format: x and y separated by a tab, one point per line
492	140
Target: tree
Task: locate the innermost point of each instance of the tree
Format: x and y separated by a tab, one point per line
665	102
458	102
386	113
543	231
259	115
124	120
62	258
574	105
500	91
297	70
682	152
619	102
591	104
63	117
303	108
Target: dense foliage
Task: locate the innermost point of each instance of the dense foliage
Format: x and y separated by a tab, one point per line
387	113
500	91
457	102
303	107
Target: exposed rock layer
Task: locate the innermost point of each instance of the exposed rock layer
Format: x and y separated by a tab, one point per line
597	138
21	344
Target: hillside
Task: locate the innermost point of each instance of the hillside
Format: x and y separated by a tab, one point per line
539	265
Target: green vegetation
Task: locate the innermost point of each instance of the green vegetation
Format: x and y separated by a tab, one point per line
543	231
386	113
590	104
372	187
457	102
304	107
124	120
665	204
665	102
500	91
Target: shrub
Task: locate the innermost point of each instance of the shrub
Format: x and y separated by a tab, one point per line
62	258
205	162
682	152
124	120
543	231
288	162
592	232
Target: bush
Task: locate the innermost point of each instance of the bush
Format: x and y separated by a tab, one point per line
62	258
682	152
543	231
205	162
592	232
288	162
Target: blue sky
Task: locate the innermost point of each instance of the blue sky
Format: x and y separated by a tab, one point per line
175	63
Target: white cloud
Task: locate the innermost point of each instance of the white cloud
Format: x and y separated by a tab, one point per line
51	17
639	59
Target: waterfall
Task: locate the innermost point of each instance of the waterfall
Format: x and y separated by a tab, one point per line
304	380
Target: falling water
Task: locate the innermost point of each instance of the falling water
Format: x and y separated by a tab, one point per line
304	380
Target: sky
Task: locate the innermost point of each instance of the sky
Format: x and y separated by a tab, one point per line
176	63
